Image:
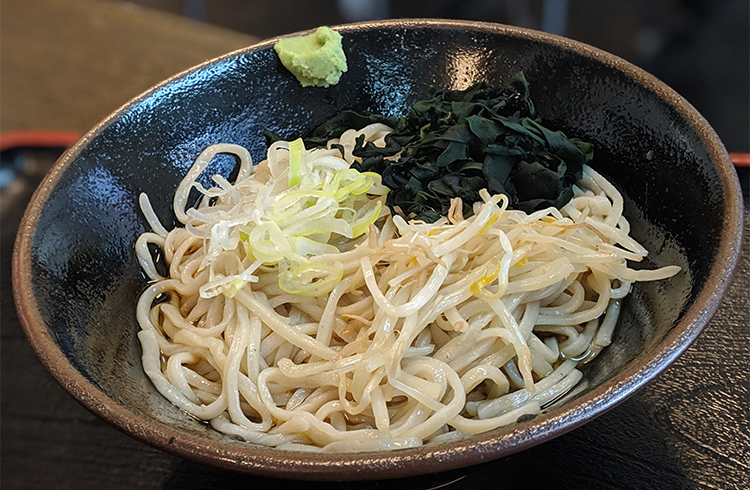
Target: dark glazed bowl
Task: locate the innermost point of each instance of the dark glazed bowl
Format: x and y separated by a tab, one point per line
76	278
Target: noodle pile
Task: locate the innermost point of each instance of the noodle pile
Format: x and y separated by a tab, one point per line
299	313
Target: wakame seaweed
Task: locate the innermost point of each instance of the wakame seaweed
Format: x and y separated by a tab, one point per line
456	143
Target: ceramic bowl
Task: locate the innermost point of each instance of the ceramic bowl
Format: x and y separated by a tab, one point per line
76	278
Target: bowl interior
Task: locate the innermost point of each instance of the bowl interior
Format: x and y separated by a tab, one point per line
83	278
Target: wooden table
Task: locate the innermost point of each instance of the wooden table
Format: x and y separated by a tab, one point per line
66	65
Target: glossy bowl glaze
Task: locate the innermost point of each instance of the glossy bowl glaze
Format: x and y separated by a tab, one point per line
76	278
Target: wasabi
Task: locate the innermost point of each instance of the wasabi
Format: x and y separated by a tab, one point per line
317	59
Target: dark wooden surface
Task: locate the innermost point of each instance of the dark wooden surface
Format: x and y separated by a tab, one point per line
688	429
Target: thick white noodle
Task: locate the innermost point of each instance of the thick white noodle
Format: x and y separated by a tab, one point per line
434	332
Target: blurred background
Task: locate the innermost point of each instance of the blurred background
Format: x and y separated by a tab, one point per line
118	49
64	66
698	47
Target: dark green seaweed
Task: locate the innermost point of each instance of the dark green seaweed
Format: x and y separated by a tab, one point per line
456	143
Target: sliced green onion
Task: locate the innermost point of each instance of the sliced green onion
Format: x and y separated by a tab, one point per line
296	152
309	248
268	243
309	279
293	217
366	216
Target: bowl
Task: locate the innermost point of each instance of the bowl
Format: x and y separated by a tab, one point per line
76	278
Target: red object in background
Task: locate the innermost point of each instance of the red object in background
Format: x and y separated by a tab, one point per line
36	138
740	159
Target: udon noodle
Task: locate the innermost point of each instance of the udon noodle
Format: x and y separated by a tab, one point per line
310	318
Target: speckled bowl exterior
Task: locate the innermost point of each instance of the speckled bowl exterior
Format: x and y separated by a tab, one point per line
76	278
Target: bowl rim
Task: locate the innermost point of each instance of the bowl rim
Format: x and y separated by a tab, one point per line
425	459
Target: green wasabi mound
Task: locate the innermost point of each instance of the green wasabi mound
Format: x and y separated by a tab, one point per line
317	59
